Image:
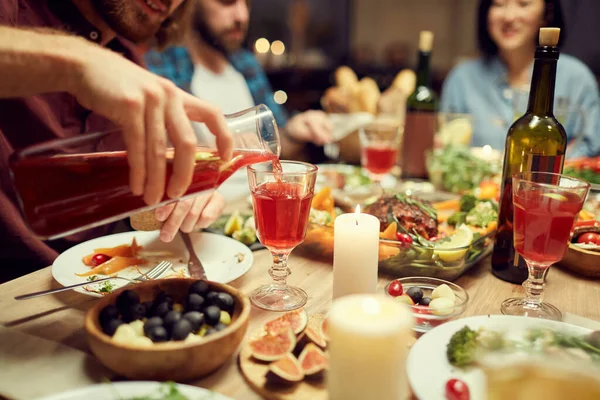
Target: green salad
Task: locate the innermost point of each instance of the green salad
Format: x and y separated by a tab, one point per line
457	170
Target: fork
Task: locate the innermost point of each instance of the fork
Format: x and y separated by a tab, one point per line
195	268
154	273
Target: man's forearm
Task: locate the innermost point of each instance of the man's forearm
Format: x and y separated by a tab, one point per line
33	62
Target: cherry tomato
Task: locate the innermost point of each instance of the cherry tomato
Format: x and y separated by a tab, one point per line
586	223
589	237
98	259
403	238
457	390
395	289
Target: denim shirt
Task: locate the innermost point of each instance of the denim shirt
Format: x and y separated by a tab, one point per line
480	88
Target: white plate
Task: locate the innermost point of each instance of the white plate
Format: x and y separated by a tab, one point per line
428	368
219	256
127	390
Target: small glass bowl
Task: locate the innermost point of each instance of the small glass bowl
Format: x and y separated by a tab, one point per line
425	318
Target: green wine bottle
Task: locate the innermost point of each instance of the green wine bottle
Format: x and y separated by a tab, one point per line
421	108
535	142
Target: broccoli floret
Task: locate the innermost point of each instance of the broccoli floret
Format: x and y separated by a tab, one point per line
457	219
462	347
467	202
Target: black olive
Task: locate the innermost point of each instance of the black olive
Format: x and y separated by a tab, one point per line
162	309
149	308
111	326
225	302
196	318
210	331
219	327
425	301
151	323
594	339
170	319
199	287
181	329
134	312
107	313
211	298
195	302
212	315
163	297
415	293
158	334
126	299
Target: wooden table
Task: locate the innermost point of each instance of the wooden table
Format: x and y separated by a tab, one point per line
60	317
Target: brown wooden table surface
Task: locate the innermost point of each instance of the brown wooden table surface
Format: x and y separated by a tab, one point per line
60	317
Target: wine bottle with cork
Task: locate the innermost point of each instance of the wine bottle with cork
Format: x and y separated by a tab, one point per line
421	108
535	142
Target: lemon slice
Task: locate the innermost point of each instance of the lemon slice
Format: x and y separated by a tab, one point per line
462	238
556	196
234	223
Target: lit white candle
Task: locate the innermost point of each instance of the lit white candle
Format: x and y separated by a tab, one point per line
355	254
369	338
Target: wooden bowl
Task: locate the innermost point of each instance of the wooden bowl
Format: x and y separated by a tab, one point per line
581	261
176	361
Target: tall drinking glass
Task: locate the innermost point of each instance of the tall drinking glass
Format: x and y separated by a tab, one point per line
69	185
545	209
281	200
379	148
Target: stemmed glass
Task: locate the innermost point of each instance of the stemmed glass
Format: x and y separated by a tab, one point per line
379	148
545	208
281	197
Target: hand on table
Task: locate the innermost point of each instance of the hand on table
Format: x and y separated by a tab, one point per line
151	110
311	126
190	214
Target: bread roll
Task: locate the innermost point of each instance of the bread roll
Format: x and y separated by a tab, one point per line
369	95
406	80
393	102
145	221
345	77
336	100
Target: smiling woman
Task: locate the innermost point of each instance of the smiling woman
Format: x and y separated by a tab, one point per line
488	87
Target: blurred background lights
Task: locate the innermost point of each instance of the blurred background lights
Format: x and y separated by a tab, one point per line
277	47
280	97
262	45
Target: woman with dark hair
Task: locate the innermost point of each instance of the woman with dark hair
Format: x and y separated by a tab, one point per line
487	87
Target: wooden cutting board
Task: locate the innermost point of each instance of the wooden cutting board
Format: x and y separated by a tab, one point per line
255	374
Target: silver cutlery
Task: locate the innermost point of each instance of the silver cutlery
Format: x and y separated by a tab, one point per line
195	267
154	273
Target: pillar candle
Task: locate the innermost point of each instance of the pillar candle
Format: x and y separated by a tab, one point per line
368	345
355	254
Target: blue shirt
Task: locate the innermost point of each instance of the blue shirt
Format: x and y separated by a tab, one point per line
176	65
481	89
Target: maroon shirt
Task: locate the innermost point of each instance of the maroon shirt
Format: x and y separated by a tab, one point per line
31	120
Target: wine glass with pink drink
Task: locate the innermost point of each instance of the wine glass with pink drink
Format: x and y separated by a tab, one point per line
379	148
282	192
545	209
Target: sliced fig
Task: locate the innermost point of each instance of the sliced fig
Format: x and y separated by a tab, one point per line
296	320
310	335
286	370
324	330
313	361
273	347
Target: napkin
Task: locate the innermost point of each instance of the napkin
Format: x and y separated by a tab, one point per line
345	124
32	367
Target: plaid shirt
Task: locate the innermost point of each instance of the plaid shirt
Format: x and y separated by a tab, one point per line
176	65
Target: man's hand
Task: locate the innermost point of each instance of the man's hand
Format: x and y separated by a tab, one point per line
311	126
151	110
188	215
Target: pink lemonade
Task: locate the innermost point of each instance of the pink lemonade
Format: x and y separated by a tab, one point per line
379	159
281	214
543	222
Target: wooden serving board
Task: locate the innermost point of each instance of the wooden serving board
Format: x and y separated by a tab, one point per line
255	372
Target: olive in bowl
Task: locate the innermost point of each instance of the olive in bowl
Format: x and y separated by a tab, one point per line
145	332
432	301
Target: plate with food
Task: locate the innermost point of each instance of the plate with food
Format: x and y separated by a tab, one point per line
138	391
130	254
418	238
454	351
587	169
583	255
